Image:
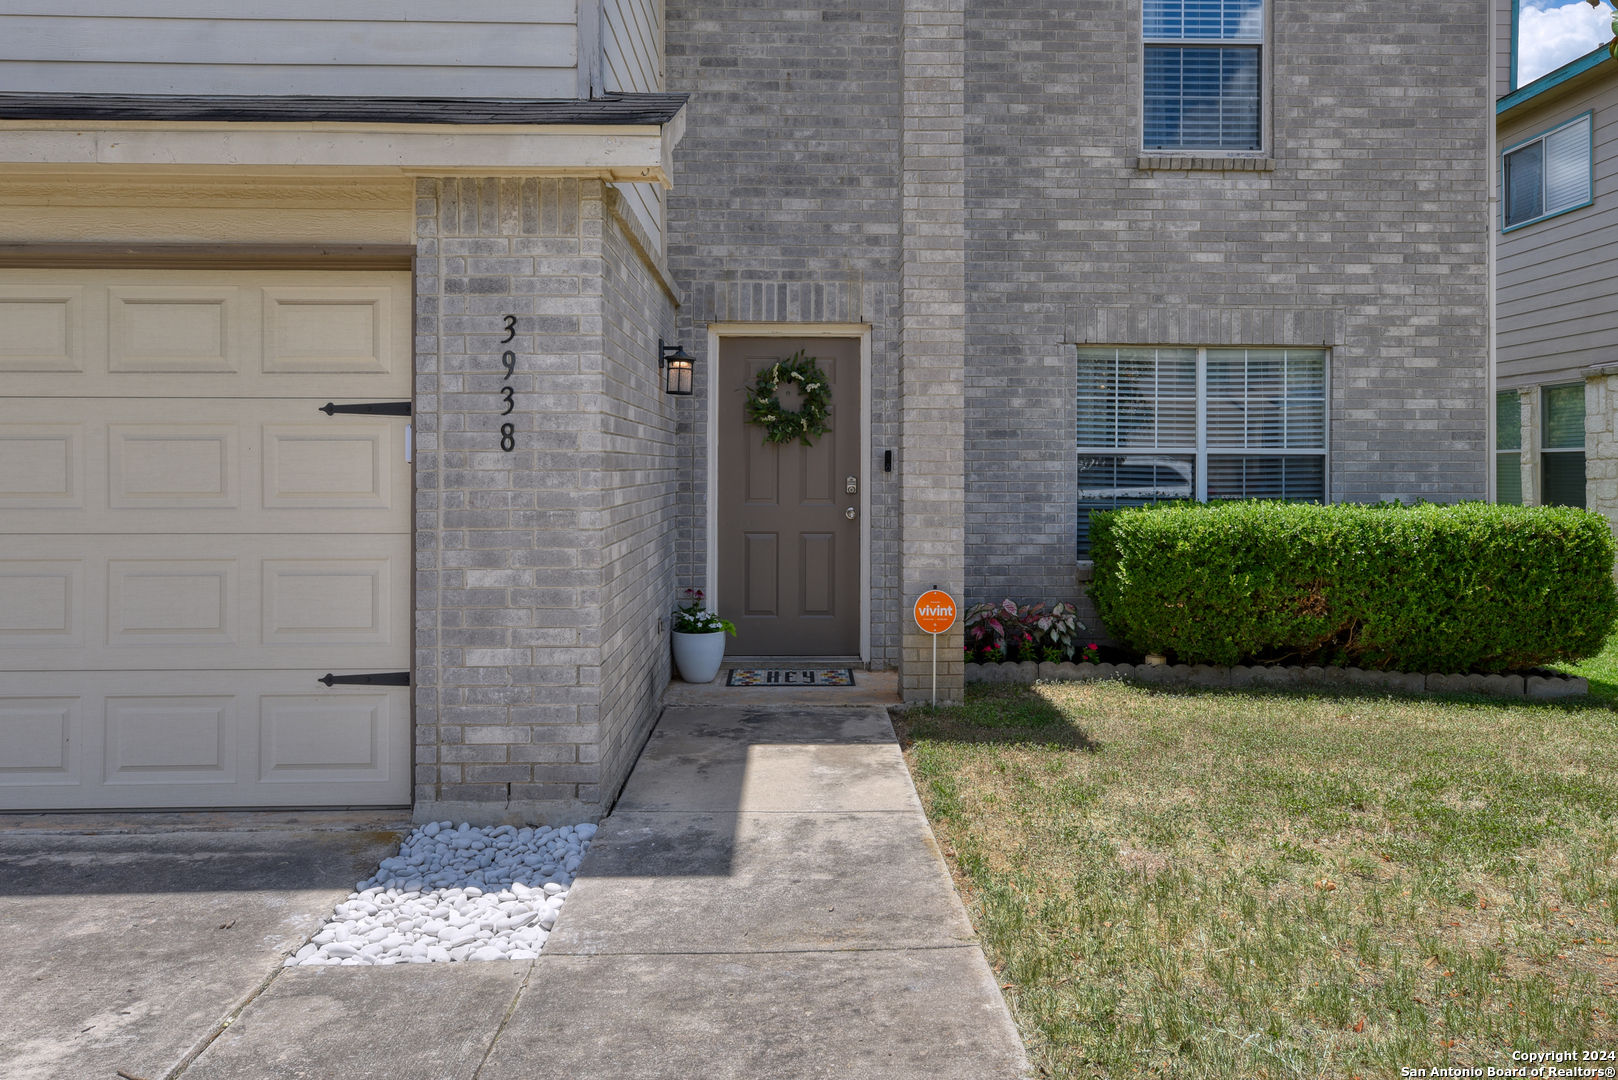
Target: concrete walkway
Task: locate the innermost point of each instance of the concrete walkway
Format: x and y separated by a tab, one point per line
766	901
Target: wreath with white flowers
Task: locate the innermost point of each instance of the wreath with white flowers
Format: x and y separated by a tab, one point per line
783	425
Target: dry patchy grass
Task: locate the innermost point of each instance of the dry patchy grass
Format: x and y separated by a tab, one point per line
1233	885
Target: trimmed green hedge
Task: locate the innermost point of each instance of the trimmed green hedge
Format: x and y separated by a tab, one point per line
1469	587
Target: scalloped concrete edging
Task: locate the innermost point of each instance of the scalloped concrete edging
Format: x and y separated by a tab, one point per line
1535	686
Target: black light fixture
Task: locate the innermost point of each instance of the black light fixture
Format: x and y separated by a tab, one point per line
679	369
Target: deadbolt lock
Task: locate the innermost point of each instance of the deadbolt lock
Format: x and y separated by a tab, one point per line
851	513
853	485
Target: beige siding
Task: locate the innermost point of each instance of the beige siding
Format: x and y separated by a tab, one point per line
399	48
1557	296
645	201
632	59
204	209
632	45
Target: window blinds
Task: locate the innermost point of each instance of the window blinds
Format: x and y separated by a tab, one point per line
1567	166
1137	398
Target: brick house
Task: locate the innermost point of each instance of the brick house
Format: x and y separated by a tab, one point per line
1049	260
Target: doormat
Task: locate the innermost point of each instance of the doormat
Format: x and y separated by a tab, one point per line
758	676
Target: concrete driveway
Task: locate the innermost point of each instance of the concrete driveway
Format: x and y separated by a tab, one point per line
130	940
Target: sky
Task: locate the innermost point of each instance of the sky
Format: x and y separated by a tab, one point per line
1552	32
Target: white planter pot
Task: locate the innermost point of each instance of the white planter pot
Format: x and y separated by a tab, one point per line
698	655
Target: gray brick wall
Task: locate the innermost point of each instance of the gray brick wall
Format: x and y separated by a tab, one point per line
786	209
1366	234
637	518
1363	230
536	569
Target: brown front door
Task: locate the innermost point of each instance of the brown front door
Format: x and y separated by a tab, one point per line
789	559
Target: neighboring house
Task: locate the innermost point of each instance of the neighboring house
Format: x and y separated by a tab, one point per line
1051	260
1556	294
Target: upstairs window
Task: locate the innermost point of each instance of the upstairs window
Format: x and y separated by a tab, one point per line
1156	425
1549	174
1203	78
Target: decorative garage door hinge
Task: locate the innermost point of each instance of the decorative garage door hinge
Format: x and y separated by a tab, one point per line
379	678
374	408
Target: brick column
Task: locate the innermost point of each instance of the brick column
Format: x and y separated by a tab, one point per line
1529	398
932	337
1601	442
508	562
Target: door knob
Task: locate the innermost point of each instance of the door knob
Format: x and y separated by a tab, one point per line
851	513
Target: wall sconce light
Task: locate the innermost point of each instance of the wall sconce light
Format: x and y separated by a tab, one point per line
679	369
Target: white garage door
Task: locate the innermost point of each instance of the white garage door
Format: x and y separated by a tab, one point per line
188	543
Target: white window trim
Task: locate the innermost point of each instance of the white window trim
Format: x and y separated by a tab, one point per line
1266	68
1588	114
1202	451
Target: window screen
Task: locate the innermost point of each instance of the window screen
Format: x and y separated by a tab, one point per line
1294	479
1138	397
1561	450
1564	417
1266	397
1202	80
1549	174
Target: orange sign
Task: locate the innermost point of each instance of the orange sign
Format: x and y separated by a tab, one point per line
935	611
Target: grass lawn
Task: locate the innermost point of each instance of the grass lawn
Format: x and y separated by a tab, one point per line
1601	670
1228	884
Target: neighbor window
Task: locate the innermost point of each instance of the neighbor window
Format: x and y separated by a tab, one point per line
1548	174
1203	74
1163	424
1561	446
1508	447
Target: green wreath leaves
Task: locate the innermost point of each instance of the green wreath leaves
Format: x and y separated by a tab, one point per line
782	425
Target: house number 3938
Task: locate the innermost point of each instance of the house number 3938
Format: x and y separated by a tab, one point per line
508	432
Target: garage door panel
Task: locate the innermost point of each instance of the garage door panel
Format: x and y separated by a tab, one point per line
246	334
40	741
330	466
271	738
41	327
174	329
171	739
41	466
173	466
317	738
165	602
321	602
221	465
328	331
149	602
42	602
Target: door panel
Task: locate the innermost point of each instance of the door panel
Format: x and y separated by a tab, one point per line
763	586
789	567
818	565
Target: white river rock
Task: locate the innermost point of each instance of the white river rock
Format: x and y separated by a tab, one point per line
454	894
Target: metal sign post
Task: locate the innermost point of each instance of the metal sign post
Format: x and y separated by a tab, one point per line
935	613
